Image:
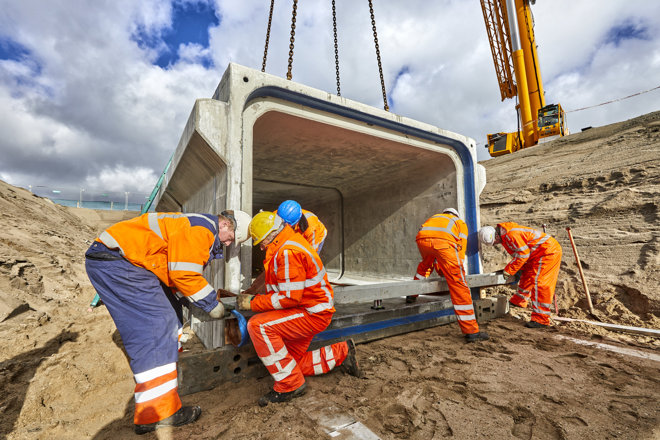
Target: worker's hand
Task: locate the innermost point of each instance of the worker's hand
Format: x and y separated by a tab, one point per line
513	279
218	311
243	301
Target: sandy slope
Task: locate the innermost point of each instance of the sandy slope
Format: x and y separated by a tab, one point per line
605	185
63	374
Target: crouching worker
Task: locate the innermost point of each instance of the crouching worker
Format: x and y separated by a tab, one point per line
302	221
298	304
442	241
536	261
135	265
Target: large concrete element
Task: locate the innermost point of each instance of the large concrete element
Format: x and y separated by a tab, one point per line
371	176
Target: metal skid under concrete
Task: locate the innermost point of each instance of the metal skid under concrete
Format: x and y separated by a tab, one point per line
358	320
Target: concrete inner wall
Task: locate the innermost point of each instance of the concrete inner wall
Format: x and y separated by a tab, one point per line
372	193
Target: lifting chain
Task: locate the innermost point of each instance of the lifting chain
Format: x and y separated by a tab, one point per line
270	20
292	39
334	28
380	66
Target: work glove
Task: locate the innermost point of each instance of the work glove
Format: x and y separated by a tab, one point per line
218	311
243	301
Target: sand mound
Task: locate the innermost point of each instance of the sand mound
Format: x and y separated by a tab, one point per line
64	375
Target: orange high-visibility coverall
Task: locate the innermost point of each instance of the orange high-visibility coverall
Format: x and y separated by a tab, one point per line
175	248
442	241
316	231
298	304
538	256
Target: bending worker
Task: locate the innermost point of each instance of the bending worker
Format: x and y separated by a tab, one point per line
301	221
536	257
298	304
135	265
442	241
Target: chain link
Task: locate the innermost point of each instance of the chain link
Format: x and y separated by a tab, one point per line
334	28
380	66
270	20
292	39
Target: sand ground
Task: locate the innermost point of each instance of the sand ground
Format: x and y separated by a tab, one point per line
63	374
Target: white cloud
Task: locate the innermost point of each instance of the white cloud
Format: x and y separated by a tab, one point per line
114	180
88	107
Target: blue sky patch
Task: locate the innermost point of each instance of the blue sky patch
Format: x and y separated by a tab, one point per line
626	31
405	70
190	24
11	50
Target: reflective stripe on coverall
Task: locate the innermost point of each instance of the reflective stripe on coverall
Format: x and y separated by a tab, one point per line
298	305
442	241
154	251
538	256
316	231
174	246
140	306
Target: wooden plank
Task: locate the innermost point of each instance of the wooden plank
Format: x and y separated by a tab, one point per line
613	348
615	327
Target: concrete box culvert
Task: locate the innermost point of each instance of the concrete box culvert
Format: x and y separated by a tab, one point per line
371	176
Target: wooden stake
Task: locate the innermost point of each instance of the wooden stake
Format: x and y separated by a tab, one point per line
579	265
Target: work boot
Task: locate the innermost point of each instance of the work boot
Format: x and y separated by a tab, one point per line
474	337
185	415
534	324
350	364
274	397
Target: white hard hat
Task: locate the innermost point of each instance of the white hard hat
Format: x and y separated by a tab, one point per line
242	222
451	211
487	235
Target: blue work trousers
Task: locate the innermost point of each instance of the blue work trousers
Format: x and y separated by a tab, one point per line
144	310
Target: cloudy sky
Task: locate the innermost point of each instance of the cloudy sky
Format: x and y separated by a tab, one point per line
94	94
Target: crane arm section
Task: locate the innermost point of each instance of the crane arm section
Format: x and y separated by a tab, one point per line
496	19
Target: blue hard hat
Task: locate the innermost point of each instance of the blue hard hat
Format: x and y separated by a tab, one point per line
290	211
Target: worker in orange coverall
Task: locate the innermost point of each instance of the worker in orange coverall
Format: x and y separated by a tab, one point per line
442	241
298	305
302	221
136	266
536	260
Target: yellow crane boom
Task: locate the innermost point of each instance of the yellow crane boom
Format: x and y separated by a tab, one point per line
510	29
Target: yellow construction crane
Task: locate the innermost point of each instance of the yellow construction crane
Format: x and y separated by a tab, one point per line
510	29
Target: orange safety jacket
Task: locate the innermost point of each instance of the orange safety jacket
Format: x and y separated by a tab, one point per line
524	244
316	231
446	227
174	246
295	277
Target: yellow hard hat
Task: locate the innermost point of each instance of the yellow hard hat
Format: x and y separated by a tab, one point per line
263	224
